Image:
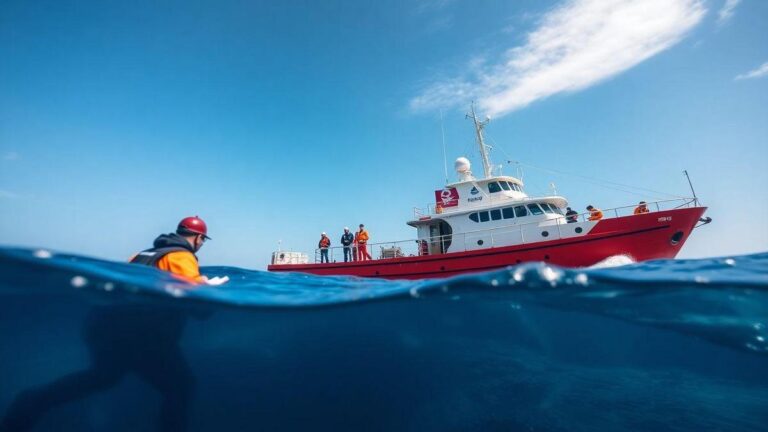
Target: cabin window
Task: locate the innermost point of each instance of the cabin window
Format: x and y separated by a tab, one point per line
508	212
516	187
535	210
505	186
556	209
520	211
495	214
474	217
484	216
547	208
494	187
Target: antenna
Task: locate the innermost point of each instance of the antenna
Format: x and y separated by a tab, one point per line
445	160
695	200
479	125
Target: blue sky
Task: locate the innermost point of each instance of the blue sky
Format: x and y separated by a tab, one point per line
279	120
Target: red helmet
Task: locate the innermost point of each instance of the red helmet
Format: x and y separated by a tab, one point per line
193	225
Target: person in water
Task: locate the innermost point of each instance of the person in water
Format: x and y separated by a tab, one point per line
175	252
346	240
132	338
323	245
571	215
362	241
641	208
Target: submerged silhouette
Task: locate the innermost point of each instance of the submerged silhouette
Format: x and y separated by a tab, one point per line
121	339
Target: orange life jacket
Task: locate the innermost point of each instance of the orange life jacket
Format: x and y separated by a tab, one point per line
325	242
641	210
181	264
362	236
595	214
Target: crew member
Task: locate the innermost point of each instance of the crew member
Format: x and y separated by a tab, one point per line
324	244
346	240
362	240
175	252
641	208
595	214
571	215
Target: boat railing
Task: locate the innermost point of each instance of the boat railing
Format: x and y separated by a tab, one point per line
555	227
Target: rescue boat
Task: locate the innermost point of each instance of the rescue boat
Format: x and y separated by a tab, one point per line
482	224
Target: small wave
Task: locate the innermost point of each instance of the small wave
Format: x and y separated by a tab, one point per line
614	261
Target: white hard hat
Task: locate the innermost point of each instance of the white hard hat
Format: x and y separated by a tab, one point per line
322	233
346	228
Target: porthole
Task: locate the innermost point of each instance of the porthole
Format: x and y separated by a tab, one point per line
442	268
544	233
480	242
518	261
676	237
578	230
546	257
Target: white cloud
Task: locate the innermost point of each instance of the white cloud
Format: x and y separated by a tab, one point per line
761	71
574	46
726	12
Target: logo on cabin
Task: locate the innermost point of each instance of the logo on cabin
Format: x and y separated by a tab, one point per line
448	197
474	191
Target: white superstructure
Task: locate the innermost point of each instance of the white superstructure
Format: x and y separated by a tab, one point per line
493	211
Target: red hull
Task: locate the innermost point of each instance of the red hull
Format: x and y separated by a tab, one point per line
642	237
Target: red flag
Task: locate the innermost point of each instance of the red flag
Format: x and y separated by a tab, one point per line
448	197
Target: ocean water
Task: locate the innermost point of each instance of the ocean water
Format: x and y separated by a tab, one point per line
92	345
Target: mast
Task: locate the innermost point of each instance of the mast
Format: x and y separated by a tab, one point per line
695	199
479	125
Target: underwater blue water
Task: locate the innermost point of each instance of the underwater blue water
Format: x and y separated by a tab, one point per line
675	345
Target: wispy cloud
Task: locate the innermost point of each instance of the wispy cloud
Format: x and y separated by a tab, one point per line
574	46
761	71
726	12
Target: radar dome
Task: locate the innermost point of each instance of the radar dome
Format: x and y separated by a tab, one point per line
462	165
